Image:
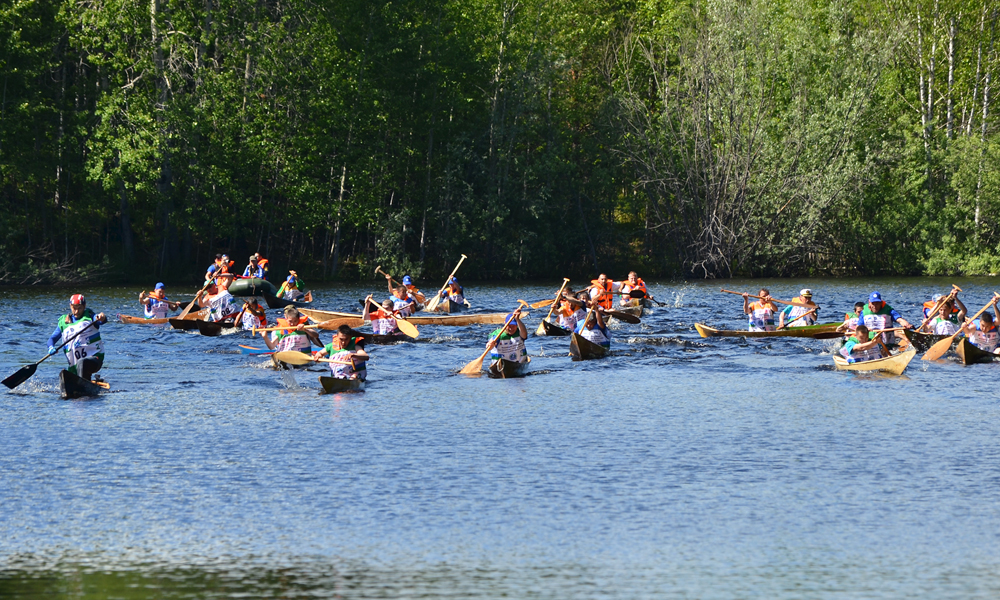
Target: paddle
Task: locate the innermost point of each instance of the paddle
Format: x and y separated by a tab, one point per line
475	367
541	326
623	316
185	312
937	350
806	314
433	304
24	373
772	299
409	329
378	269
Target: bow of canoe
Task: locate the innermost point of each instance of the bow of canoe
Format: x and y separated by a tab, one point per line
333	385
580	348
894	364
970	354
508	369
72	386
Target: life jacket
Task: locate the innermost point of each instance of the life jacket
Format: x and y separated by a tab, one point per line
798	311
570	315
405	307
873	353
85	345
337	352
761	317
851	320
930	304
944	326
604	296
456	297
627	288
290	339
415	294
220	306
987	339
880	320
509	347
157	308
383	322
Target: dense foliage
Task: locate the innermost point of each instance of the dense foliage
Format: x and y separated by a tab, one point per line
539	137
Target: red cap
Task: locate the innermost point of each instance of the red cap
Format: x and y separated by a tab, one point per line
77	299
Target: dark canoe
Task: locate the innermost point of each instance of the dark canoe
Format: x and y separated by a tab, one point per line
970	354
333	385
580	348
449	306
213	328
184	324
922	341
635	311
252	286
806	331
554	330
388	339
508	369
72	386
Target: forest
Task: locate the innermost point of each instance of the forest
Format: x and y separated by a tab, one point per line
542	138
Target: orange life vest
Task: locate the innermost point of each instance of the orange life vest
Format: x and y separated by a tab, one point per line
607	299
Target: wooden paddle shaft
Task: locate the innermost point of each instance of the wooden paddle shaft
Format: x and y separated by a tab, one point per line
938	306
378	269
939	348
476	365
450	276
772	299
805	314
556	301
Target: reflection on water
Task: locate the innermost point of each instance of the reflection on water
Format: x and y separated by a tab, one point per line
679	467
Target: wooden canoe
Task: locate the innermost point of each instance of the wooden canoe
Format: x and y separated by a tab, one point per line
191	316
387	339
807	331
580	348
334	385
970	354
553	330
922	341
184	324
894	364
320	316
508	369
72	386
449	306
213	328
634	309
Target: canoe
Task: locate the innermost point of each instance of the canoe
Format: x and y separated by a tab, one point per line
553	330
635	311
970	354
191	316
72	386
276	302
213	328
922	341
252	350
449	306
580	348
807	331
333	385
184	324
452	320
508	369
894	365
252	286
388	339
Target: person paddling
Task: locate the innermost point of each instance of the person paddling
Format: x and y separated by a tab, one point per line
508	342
155	305
454	291
879	315
218	299
294	336
633	283
415	293
383	319
593	329
861	346
792	312
221	265
984	332
85	353
402	302
292	287
572	309
253	316
761	312
346	347
851	320
602	291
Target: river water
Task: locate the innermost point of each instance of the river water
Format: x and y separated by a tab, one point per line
679	467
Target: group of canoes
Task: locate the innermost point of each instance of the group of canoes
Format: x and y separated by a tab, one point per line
869	335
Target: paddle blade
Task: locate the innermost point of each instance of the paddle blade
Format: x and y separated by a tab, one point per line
20	376
542	303
433	304
407	328
938	349
292	357
541	329
637	294
473	368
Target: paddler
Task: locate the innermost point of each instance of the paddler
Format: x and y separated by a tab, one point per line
634	282
930	304
984	332
594	329
85	353
947	321
155	305
792	312
221	265
383	320
294	336
861	346
879	315
402	302
571	310
218	299
346	346
412	289
254	269
851	320
602	291
761	312
253	316
292	287
508	342
454	292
